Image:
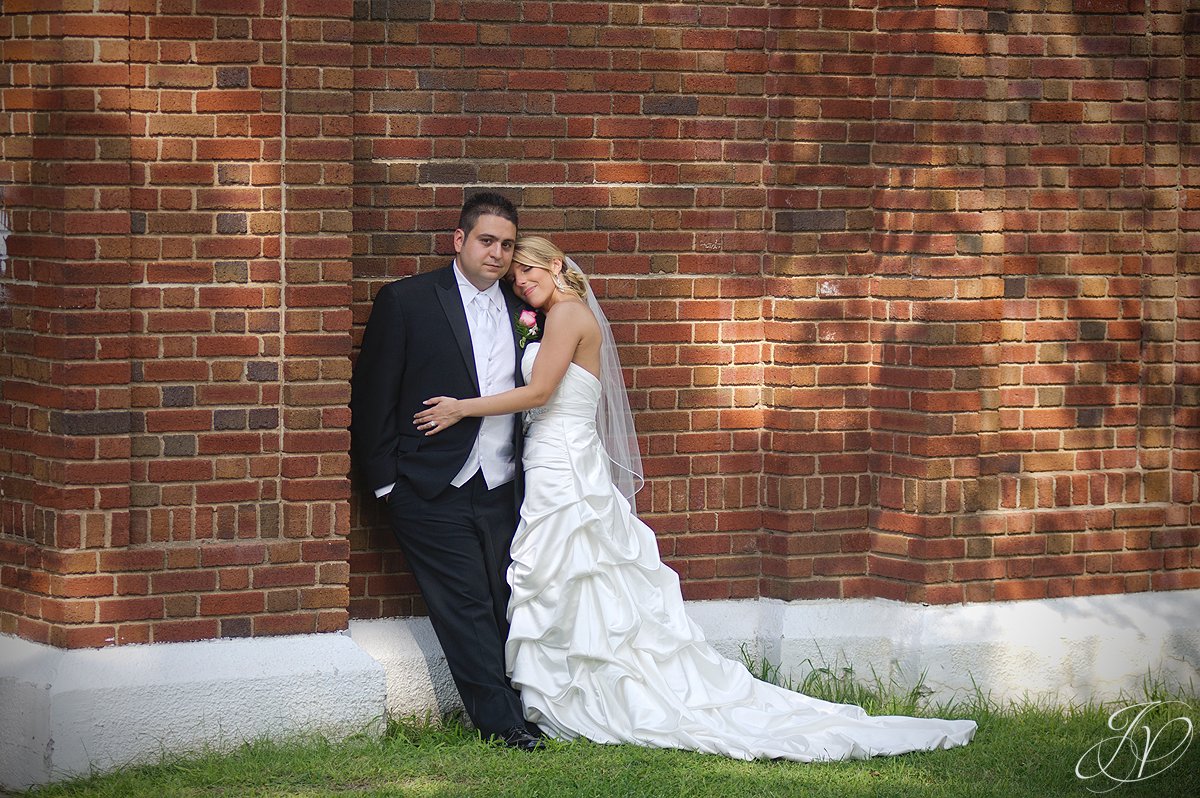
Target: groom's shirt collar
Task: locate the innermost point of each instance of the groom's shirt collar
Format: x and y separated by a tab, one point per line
468	291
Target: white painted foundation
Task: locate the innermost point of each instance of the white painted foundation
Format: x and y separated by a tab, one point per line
63	713
66	712
1056	651
418	680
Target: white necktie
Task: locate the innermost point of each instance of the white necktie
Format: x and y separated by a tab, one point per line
484	314
489	327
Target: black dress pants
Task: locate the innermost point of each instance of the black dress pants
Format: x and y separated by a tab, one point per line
457	546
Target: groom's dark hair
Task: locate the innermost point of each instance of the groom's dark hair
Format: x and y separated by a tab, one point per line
483	203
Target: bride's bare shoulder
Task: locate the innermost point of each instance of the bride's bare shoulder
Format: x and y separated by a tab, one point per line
571	313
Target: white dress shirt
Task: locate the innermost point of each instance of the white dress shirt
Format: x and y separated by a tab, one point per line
495	365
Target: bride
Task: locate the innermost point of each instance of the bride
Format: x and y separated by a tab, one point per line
600	644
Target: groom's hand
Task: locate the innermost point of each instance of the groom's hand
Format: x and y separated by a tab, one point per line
442	412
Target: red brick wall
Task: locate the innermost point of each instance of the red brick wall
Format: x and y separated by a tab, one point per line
909	296
176	324
903	290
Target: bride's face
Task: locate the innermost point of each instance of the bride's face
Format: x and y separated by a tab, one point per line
533	284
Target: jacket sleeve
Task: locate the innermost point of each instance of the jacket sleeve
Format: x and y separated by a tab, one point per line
375	390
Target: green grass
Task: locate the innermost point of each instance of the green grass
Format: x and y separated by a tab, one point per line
1019	750
842	684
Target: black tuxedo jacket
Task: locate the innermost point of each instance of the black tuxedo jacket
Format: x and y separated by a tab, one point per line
417	345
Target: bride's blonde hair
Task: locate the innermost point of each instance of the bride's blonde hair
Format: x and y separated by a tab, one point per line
539	253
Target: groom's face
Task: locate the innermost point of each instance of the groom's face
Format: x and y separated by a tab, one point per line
485	253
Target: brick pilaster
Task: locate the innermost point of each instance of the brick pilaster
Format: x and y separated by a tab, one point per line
178	379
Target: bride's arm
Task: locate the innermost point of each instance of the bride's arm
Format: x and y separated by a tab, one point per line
565	327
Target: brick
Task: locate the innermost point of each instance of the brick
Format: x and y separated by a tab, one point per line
96	423
278	575
185	630
184	581
132	609
232	554
232	603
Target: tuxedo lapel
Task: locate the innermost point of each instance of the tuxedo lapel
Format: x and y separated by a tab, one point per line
448	294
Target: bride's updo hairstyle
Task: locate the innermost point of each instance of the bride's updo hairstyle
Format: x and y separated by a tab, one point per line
539	253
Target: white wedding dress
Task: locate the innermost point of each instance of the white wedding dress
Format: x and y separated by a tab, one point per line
601	646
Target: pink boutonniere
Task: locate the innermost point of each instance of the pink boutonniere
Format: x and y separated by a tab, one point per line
527	327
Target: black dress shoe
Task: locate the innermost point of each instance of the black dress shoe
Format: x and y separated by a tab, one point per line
518	737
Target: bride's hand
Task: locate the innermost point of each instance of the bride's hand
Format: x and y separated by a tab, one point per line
443	412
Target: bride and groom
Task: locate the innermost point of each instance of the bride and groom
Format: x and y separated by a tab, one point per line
546	592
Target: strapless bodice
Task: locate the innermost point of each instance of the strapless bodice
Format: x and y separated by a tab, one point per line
577	396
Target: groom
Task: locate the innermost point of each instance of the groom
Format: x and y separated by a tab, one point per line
451	498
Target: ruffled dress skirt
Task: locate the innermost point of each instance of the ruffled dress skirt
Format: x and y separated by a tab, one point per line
600	643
